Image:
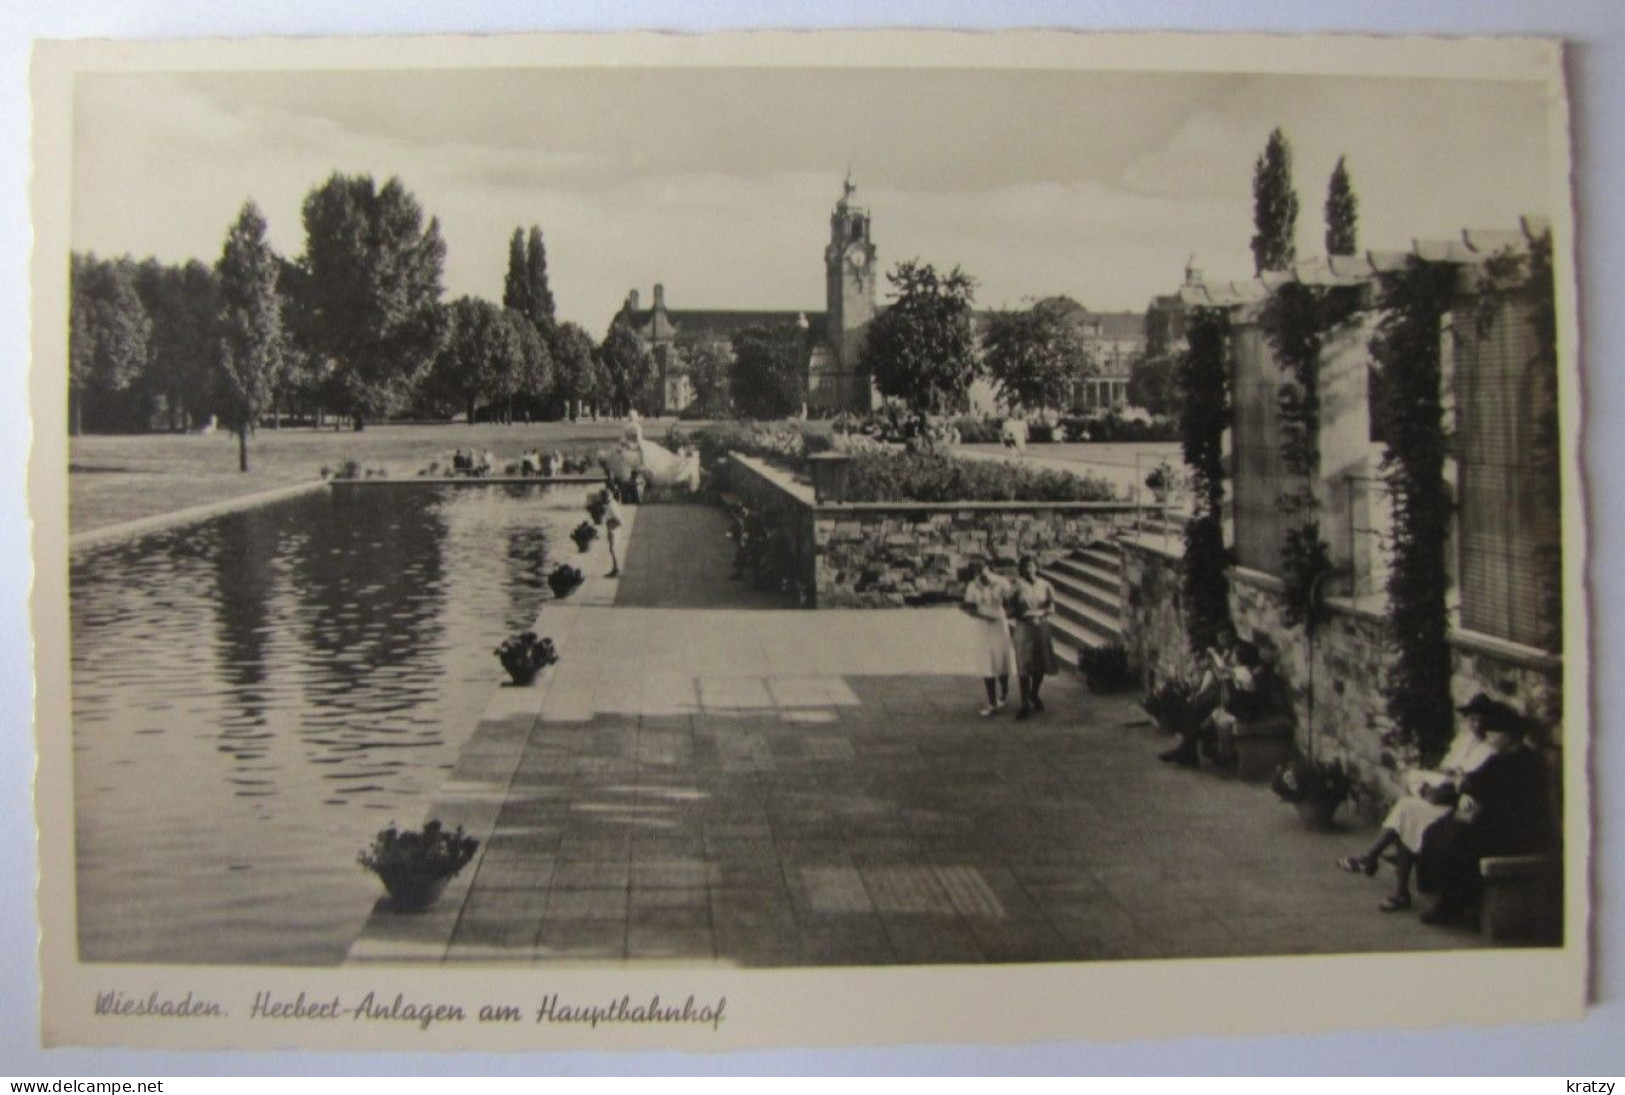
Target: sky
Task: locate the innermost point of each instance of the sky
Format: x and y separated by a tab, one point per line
719	183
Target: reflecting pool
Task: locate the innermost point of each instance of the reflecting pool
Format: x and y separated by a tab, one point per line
255	696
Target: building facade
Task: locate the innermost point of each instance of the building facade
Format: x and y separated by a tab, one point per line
835	336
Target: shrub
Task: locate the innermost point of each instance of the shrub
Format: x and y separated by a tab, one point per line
1106	668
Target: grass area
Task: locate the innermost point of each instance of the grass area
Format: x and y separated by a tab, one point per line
123	478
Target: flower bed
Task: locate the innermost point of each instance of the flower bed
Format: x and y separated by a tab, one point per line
930	477
883	473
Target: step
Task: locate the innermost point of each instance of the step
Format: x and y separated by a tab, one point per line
1083	572
1103	558
1090	620
1107	599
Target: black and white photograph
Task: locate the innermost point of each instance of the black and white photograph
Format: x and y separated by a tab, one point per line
603	536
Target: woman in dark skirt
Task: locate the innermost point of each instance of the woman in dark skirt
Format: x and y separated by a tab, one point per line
1032	602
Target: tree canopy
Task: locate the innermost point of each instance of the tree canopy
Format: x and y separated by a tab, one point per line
769	374
629	368
575	368
374	283
1275	207
251	361
709	371
922	349
109	331
1036	355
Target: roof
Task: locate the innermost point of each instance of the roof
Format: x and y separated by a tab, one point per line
698	323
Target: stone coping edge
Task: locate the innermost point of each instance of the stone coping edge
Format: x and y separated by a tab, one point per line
468	481
141	526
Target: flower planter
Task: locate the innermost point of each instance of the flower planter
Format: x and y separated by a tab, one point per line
524	676
829	475
1318	813
413	892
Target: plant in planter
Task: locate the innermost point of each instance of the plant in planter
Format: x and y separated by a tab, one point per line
525	655
1106	668
584	534
1316	788
1160	481
598	507
415	865
564	580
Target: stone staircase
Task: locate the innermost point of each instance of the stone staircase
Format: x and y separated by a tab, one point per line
1088	599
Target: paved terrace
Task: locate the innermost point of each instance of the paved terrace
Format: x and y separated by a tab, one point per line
711	777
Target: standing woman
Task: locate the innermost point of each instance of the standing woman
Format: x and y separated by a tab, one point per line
1033	602
985	599
612	526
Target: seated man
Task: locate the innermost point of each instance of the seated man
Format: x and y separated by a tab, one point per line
1218	672
1430	796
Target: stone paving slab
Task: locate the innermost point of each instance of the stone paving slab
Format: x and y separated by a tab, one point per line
668	792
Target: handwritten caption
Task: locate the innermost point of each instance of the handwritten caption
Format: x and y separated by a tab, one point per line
552	1009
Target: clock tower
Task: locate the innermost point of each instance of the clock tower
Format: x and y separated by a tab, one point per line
850	273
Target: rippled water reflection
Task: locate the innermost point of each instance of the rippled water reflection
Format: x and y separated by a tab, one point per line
253	697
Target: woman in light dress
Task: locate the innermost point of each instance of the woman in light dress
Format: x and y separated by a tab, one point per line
1032	602
985	600
1430	796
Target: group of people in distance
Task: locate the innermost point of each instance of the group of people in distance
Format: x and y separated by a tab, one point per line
1012	634
1487	797
470	462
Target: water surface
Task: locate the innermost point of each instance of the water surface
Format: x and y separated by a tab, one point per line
255	696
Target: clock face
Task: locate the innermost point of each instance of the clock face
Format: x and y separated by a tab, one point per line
857	256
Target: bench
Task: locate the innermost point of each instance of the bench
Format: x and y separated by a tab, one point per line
1261	746
1522	900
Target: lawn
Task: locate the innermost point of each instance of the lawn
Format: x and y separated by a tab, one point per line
121	478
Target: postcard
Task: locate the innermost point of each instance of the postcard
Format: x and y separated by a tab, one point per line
748	540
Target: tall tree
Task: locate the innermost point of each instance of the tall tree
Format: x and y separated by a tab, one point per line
251	359
922	349
1342	212
708	372
1275	207
526	290
474	356
1037	355
630	368
374	282
109	332
533	373
1153	384
769	374
183	304
575	369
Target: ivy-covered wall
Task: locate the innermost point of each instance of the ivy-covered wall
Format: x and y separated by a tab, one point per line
1352	661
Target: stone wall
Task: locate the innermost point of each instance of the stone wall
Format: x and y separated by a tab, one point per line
788	505
885	554
1350	662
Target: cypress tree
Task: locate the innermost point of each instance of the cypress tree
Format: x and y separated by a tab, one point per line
1275	206
1342	212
